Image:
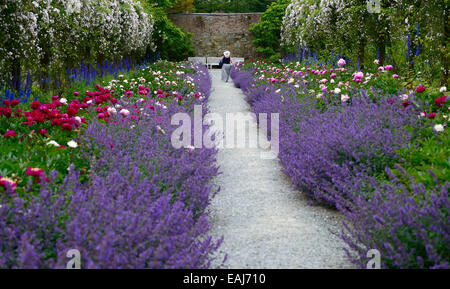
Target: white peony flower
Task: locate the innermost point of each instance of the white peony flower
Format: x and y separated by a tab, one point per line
72	144
53	143
439	128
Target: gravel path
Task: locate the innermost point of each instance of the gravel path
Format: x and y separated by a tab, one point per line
266	223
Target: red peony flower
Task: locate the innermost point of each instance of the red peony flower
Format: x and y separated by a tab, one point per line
10	134
43	132
66	126
432	115
35	104
406	103
420	88
14	102
440	101
73	110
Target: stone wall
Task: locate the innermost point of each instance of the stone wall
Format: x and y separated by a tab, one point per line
215	33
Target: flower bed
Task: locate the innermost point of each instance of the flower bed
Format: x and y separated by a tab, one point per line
118	191
343	135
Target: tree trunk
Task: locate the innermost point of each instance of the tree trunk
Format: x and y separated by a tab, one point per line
362	52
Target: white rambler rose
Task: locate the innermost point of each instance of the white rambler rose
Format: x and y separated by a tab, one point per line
337	90
63	100
443	89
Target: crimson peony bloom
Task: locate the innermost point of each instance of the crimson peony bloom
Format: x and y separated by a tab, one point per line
440	101
36	173
35	104
420	88
14	102
66	126
43	132
432	115
406	103
10	134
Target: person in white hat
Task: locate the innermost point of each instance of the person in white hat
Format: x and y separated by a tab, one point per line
226	63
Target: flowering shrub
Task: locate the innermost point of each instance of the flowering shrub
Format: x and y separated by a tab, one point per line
53	35
397	32
341	131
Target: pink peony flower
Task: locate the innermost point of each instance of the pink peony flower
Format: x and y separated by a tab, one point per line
125	112
5	182
389	67
341	62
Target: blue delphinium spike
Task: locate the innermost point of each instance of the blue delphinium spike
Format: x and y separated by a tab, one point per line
408	47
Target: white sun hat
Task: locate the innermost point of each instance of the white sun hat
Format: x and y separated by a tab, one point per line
227	53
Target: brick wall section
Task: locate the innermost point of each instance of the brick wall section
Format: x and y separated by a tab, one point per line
215	33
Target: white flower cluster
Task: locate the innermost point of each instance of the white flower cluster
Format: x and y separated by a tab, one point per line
60	32
308	21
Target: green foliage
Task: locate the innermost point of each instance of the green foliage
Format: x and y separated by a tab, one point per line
172	42
231	6
267	32
428	153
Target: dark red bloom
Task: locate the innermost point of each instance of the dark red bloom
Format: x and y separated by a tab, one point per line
420	88
66	126
440	101
14	102
43	132
35	104
432	115
406	103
